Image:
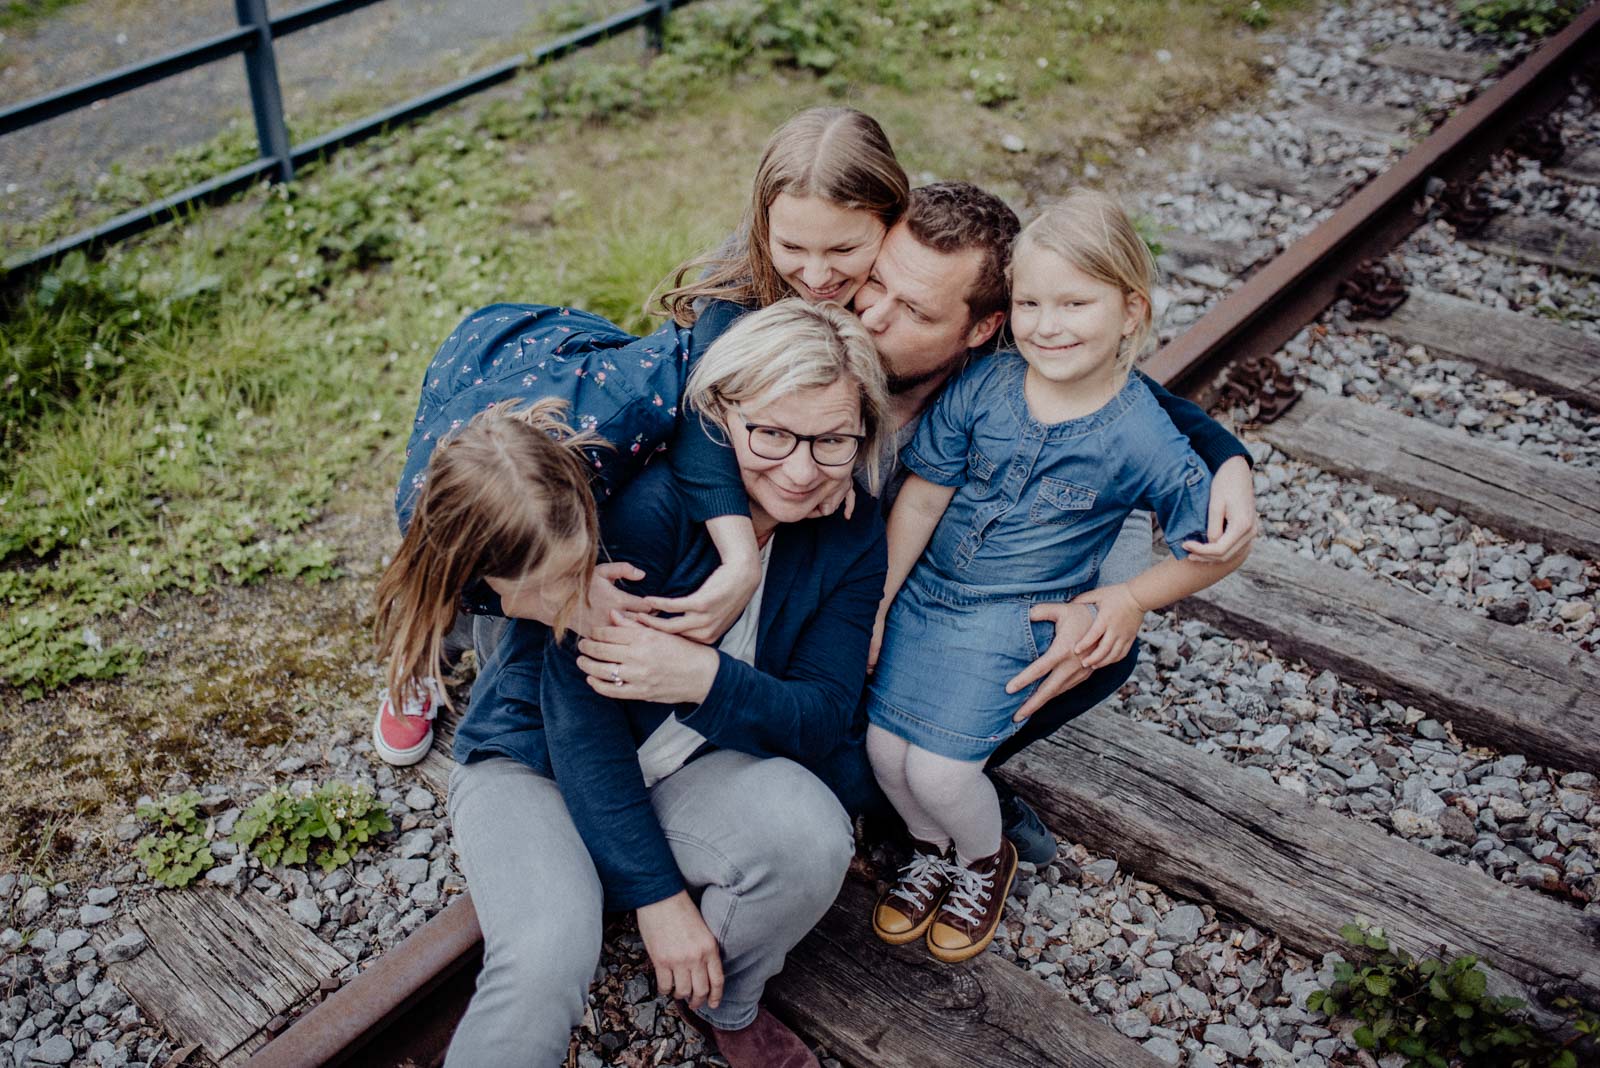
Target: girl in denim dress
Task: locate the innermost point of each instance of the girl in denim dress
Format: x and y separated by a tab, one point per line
1021	476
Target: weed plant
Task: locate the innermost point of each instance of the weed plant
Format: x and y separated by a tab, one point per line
1512	21
174	415
1436	1011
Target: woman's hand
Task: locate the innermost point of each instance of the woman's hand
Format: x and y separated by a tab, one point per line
1231	524
1119	615
632	662
683	949
877	643
707	613
1059	666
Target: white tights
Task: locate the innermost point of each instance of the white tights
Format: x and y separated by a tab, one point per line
943	801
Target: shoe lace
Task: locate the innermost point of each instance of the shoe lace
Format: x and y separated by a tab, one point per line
969	893
919	878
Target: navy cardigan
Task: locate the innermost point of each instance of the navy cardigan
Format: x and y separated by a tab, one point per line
800	699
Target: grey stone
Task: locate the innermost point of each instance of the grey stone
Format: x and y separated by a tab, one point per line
57	1050
1100	872
1163	1049
127	947
1272	739
408	872
1182	924
102	895
636	989
93	915
419	799
1132	1023
228	875
304	911
35	899
418	843
72	939
1235	1040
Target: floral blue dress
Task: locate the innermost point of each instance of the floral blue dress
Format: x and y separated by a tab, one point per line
624	388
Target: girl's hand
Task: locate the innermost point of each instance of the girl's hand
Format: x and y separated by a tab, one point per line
846	495
632	662
604	598
708	612
877	643
683	949
1116	625
1059	666
1231	524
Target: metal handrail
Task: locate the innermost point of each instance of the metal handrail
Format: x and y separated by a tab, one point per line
278	157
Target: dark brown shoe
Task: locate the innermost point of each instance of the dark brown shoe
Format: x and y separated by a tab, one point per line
906	909
766	1043
966	922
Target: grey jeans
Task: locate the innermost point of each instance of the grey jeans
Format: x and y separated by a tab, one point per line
762	843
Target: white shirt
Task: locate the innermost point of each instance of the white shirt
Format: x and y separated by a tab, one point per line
672	743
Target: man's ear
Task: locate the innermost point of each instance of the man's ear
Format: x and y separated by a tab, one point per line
984	329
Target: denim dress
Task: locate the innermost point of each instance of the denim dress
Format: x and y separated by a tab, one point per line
1036	508
624	388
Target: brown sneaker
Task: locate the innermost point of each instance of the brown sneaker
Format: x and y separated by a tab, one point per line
766	1043
906	909
966	922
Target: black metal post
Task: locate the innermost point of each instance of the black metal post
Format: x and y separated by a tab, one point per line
266	99
655	26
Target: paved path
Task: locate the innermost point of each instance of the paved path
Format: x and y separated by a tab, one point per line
395	48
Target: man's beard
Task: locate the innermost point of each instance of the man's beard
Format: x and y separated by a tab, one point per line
903	384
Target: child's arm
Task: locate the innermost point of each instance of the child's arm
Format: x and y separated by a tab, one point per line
916	513
1120	608
708	612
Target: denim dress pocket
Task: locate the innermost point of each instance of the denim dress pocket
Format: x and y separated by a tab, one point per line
1060	502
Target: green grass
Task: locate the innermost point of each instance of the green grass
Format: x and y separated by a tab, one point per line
173	416
20	14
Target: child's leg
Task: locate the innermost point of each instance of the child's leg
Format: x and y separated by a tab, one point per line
887	752
958	797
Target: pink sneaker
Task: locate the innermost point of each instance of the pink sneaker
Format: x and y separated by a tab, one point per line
405	738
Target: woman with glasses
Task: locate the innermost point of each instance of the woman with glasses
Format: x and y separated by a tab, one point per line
697	785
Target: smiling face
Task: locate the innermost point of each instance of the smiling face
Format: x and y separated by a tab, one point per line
1069	325
914	303
786	490
823	251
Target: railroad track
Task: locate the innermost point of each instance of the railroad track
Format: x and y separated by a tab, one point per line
1199	810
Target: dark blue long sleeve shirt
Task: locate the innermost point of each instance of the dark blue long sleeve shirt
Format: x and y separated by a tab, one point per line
799	700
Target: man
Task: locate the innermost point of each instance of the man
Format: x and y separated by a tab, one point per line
938	296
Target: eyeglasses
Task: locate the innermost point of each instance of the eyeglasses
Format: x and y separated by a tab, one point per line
828	450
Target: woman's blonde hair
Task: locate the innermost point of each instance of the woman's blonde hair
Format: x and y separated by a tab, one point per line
499	496
1090	230
789	346
838	154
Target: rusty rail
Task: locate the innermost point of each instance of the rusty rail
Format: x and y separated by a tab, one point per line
404	1008
1298	284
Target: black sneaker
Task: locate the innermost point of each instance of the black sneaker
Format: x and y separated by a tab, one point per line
1020	823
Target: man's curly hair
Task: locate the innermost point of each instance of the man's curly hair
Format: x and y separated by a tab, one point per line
957	216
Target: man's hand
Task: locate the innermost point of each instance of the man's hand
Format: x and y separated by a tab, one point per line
632	662
683	949
1059	666
1231	524
1118	617
708	612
